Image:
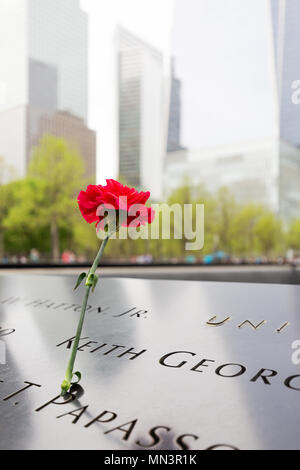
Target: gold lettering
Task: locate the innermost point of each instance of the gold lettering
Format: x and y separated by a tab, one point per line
279	330
255	327
211	322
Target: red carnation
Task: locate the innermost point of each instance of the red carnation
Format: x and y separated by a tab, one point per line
122	206
129	204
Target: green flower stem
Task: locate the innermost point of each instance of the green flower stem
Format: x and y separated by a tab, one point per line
66	384
98	257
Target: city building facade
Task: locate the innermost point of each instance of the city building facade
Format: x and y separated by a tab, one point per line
43	77
264	171
174	127
140	113
285	16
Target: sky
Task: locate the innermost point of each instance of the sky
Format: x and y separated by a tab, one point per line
224	58
224	55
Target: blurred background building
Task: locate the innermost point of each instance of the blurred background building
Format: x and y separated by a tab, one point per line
264	170
141	113
44	76
286	34
248	169
174	126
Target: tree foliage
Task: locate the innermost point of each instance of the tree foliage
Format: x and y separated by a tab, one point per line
57	168
41	212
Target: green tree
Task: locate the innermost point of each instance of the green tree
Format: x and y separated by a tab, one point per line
5	202
24	227
224	215
84	237
268	232
6	174
293	235
243	229
188	194
59	169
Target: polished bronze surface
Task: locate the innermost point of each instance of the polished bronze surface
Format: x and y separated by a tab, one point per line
157	373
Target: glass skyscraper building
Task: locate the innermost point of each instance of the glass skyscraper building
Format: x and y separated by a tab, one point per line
174	127
43	76
140	112
265	167
286	34
285	16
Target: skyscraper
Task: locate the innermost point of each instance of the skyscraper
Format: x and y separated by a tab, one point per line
174	129
233	133
286	33
285	16
43	57
141	113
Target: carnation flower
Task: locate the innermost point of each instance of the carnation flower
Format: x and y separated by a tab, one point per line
126	206
129	204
